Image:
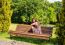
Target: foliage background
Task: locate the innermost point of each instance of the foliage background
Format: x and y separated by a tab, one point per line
41	10
5	15
24	10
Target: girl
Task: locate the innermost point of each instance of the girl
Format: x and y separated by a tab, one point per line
36	27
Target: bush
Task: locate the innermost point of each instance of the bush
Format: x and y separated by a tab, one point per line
5	15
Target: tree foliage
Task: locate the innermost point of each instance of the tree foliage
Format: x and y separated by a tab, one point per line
5	14
42	10
25	10
62	25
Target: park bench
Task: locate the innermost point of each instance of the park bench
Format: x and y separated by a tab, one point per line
26	31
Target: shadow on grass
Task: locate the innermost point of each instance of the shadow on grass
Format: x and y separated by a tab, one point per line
30	40
34	40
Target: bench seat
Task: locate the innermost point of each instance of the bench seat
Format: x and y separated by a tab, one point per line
25	31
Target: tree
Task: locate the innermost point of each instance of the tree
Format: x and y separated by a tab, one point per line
52	14
62	25
57	6
5	14
24	10
42	10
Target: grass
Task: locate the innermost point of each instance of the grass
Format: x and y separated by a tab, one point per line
13	27
6	37
34	41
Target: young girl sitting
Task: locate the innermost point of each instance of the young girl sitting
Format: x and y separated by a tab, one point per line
36	27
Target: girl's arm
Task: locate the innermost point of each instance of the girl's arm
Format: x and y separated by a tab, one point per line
33	24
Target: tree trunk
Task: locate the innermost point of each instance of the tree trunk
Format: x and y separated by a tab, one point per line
61	33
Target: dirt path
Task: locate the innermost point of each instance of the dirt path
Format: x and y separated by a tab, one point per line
14	43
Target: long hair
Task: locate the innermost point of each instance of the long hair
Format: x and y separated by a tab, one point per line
34	19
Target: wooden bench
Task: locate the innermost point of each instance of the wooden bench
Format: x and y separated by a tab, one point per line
26	31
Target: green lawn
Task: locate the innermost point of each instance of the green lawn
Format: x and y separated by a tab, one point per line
6	36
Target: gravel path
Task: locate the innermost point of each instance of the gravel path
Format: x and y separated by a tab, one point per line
14	43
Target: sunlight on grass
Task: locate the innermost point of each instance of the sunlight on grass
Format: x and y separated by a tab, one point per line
54	35
13	27
34	41
4	36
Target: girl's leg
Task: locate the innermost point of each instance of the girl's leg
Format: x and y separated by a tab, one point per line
33	29
40	31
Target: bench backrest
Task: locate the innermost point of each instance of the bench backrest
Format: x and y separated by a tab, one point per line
27	28
47	30
23	28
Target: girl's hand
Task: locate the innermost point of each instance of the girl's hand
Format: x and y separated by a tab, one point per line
33	23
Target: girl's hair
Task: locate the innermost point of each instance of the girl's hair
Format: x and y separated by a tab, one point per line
34	19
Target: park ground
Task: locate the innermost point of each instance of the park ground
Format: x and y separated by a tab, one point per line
5	37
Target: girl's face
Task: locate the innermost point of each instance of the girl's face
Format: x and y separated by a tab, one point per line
33	20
